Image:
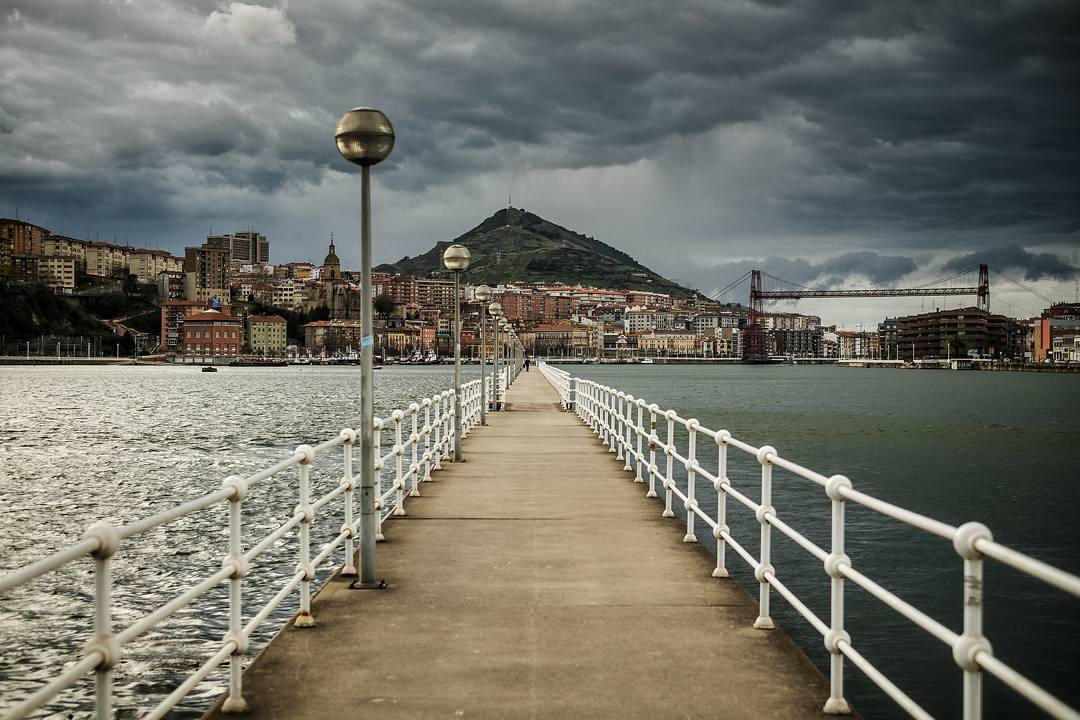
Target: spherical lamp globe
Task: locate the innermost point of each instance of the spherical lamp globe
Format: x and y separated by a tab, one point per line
364	136
456	258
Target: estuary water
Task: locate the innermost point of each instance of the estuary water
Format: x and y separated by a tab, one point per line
78	444
999	448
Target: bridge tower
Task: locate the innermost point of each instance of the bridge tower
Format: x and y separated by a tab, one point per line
984	288
754	345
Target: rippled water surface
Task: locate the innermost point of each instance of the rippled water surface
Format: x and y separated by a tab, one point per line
1000	448
79	444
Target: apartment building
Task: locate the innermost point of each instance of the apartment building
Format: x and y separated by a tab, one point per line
638	320
173	315
63	246
266	334
18	237
170	286
211	334
1056	334
649	299
57	273
332	335
246	247
791	321
563	338
206	273
106	261
954	333
669	342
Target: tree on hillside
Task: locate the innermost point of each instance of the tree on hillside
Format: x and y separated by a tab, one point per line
384	305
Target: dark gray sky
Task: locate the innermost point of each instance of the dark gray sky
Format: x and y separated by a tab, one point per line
831	142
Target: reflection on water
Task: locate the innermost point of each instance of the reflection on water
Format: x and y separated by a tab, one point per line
78	444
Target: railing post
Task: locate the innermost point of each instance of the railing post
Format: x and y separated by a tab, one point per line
595	408
104	642
235	702
613	420
617	426
692	426
653	469
414	441
638	431
669	480
571	394
765	568
448	424
834	567
304	618
627	441
428	465
721	485
466	411
380	462
348	438
972	643
399	464
437	401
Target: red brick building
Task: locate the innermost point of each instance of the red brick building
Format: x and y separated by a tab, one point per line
173	315
212	334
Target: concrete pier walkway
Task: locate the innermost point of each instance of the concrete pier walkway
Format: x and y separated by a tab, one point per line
534	580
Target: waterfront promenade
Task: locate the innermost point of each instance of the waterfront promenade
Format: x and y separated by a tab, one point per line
535	580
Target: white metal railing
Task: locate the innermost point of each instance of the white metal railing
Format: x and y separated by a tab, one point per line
628	427
562	381
422	437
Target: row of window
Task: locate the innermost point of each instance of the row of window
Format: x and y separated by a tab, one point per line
210	334
214	349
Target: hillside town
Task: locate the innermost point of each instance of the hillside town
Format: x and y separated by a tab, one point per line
225	301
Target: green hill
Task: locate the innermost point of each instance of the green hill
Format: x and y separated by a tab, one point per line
515	245
34	312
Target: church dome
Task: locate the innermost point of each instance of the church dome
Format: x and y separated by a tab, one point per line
331	266
331	257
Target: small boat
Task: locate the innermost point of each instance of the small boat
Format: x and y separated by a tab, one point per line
209	368
647	361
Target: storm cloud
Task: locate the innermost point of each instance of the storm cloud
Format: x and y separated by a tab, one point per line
856	135
872	268
1012	258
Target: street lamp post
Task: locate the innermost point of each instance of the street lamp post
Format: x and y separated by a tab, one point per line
514	364
505	355
364	136
456	259
507	363
496	312
483	294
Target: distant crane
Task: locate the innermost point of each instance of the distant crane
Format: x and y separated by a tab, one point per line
754	347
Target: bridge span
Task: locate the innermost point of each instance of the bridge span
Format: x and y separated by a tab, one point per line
534	580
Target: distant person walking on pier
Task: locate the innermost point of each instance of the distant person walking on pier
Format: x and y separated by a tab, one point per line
527	364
